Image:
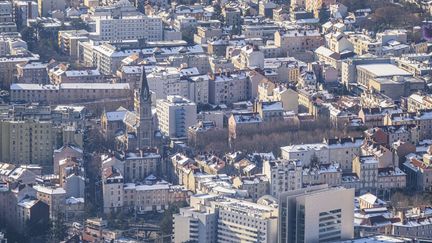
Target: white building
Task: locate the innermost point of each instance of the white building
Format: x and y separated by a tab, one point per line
175	115
316	214
129	28
228	88
342	151
185	82
219	219
283	175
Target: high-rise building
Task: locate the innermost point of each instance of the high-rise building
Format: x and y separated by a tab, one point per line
175	115
316	214
27	141
283	175
213	218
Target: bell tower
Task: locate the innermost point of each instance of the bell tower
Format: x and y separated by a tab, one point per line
142	105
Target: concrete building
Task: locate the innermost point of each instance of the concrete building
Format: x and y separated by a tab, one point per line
68	41
221	219
283	175
24	11
96	96
34	73
138	166
137	27
341	151
46	7
293	41
192	224
367	72
54	197
304	217
175	115
27	142
228	88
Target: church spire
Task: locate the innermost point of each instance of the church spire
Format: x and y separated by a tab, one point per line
144	92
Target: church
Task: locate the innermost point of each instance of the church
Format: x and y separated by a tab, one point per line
131	130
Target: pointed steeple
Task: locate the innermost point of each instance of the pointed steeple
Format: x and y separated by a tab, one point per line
144	92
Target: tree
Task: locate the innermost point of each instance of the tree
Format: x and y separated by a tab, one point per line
166	224
399	200
314	161
58	229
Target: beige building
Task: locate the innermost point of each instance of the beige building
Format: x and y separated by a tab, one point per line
256	185
68	41
151	195
422	118
367	72
267	91
293	41
417	102
139	165
8	68
54	197
330	174
96	96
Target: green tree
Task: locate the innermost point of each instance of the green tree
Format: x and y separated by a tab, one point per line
58	229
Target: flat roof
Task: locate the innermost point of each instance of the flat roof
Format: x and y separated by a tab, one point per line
384	70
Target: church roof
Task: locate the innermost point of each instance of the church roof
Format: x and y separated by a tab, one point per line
144	92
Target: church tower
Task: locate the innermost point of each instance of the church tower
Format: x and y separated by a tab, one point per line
143	110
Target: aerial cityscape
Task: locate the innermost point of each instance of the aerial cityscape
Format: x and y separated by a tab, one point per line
224	121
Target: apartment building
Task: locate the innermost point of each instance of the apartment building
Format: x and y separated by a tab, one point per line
341	151
374	178
54	197
27	142
330	174
237	218
68	93
293	41
240	123
34	73
68	41
192	224
227	88
419	171
417	102
421	118
256	185
129	28
175	115
222	219
283	175
25	11
8	68
139	165
185	82
150	194
316	214
46	7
